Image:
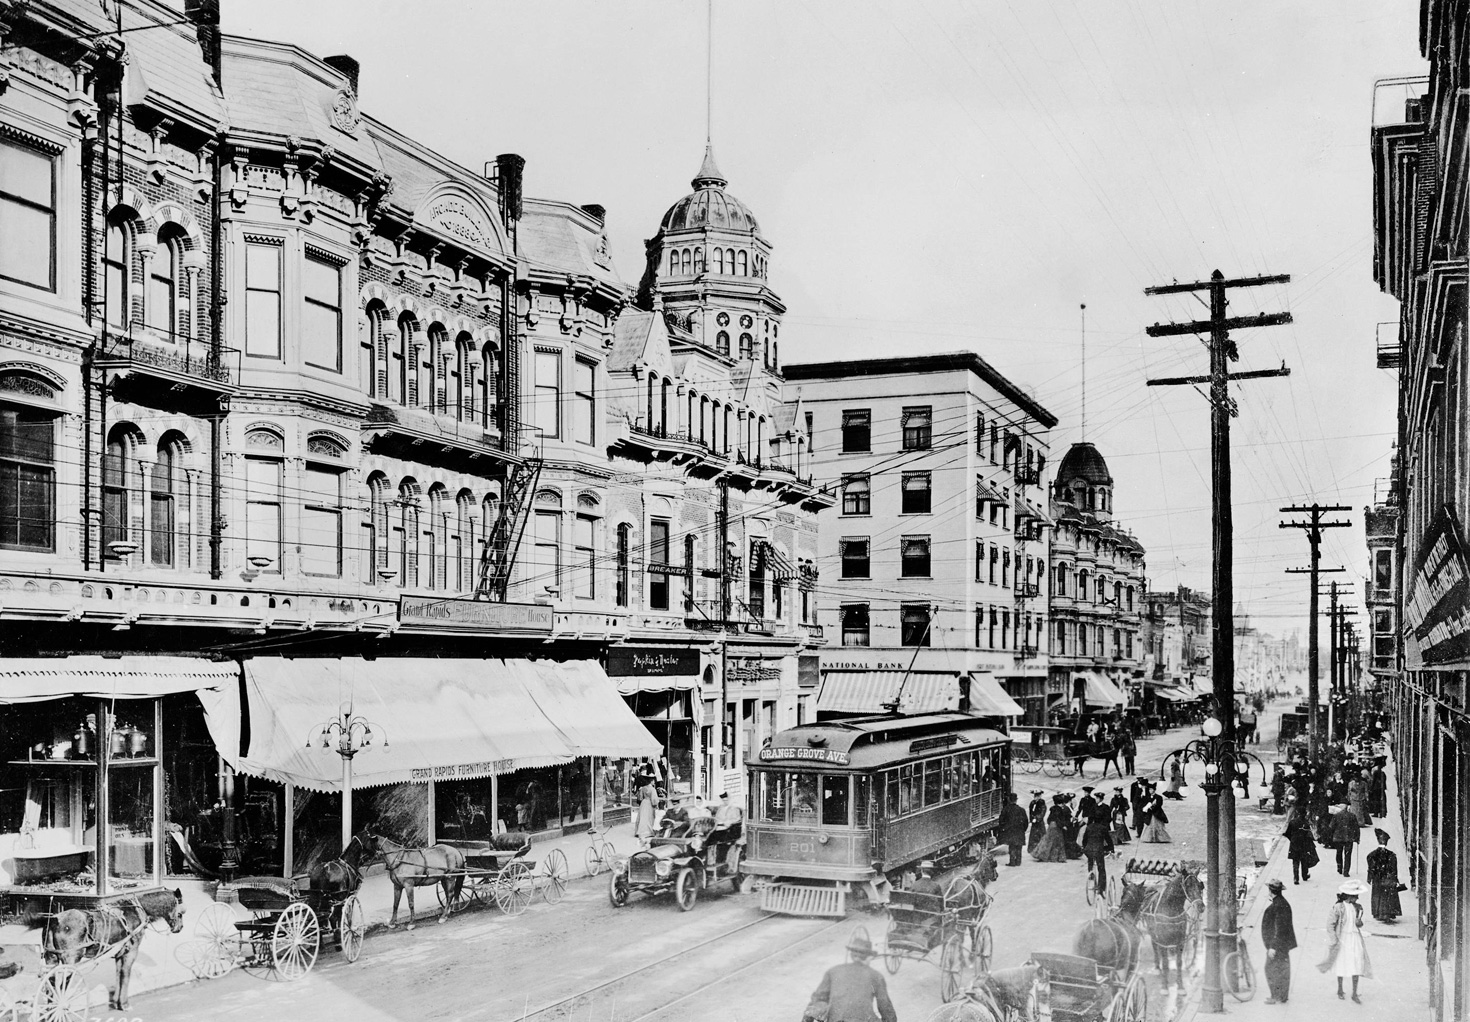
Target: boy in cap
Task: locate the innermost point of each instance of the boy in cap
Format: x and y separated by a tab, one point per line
1279	936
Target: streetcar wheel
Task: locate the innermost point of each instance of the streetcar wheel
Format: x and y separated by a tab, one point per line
296	939
951	965
686	889
351	925
1237	976
617	891
60	997
218	942
513	888
984	942
591	861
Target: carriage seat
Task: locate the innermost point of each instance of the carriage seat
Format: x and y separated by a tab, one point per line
915	918
510	841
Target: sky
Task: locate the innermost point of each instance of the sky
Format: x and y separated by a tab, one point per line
949	175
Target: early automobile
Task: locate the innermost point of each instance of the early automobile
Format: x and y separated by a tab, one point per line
687	858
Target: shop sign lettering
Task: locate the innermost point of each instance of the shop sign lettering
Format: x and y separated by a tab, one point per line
475	615
645	662
459	770
1438	608
810	754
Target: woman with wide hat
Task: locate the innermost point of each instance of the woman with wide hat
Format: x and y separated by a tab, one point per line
1053	845
1347	954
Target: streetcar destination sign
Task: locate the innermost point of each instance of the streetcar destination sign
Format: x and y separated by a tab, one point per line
815	755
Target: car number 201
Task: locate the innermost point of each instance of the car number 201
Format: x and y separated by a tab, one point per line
803	848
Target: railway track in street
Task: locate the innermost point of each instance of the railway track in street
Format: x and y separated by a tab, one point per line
573	1005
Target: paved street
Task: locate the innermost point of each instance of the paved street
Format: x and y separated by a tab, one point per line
648	961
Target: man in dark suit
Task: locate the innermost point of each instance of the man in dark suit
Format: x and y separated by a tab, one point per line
850	990
1012	828
1136	792
1097	842
1279	936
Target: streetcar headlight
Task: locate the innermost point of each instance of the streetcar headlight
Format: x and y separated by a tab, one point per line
664	867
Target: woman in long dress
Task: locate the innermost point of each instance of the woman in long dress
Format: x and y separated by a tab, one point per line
1383	877
1154	820
1176	779
1357	793
1037	813
1053	845
1347	955
644	828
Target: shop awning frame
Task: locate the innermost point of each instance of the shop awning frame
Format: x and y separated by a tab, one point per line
1100	691
37	679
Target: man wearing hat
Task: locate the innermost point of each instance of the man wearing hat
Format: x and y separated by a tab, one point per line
851	990
1279	936
1012	828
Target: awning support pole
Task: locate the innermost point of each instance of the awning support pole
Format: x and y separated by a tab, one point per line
346	801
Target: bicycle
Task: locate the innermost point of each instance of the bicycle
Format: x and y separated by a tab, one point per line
1237	974
600	854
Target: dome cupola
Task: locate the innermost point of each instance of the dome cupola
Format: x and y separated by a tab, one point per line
1083	480
709	205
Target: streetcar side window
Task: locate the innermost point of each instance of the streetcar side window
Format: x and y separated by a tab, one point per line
772	805
906	789
992	769
891	782
931	782
977	777
803	798
947	789
863	806
964	765
835	801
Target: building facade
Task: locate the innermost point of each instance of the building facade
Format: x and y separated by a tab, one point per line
1177	635
1419	221
283	385
937	552
1097	587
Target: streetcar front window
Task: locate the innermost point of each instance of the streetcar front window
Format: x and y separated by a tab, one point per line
835	801
771	796
803	798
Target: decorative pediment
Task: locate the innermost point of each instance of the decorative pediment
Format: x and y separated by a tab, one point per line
460	217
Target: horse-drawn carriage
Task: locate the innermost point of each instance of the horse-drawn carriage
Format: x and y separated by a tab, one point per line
1071	988
951	922
500	871
686	860
1166	902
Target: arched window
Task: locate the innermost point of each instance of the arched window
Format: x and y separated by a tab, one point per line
485	392
729	260
760	440
118	472
686	262
584	548
775	356
649	419
741	260
747	346
372	354
703	415
27	462
722	343
402	386
461	543
719	260
375	530
117	261
729	415
435	540
433	392
624	565
699	260
406	534
663	408
462	379
673	261
164	492
544	576
164	284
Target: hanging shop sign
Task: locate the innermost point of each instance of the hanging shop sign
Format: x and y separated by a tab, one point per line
651	662
808	671
1438	608
475	615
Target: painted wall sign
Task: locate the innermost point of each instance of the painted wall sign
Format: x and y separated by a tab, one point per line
475	615
651	662
1438	608
811	755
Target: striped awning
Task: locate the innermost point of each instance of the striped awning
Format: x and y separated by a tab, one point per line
1173	695
874	691
989	699
1024	510
987	494
781	569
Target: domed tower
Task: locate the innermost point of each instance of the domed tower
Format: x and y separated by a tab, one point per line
707	269
1083	480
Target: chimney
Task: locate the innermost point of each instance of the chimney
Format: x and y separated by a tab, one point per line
348	67
596	212
509	168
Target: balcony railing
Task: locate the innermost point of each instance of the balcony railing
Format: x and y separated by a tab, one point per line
1026	651
179	359
1027	590
1027	475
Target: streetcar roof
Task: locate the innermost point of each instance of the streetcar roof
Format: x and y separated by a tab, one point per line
877	741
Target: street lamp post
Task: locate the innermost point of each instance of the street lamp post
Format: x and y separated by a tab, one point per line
352	734
1225	765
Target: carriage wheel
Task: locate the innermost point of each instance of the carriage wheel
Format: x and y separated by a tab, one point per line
1054	767
9	1010
512	888
459	897
351	925
218	942
557	872
60	997
1132	1004
1091	887
296	940
1237	976
983	946
617	890
891	959
951	966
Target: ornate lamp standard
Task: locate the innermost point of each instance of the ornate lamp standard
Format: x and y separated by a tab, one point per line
1225	764
352	734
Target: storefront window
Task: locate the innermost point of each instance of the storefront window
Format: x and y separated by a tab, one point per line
462	810
546	798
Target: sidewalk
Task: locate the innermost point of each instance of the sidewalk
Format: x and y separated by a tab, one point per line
1399	988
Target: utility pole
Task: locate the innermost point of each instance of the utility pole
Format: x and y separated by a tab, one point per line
1314	528
1220	922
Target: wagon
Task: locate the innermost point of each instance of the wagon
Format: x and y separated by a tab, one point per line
1071	988
506	877
55	993
952	923
289	921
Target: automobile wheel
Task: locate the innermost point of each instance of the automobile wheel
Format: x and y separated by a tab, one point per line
617	891
686	889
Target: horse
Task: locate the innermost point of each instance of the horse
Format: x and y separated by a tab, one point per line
1114	942
994	997
77	934
1163	913
419	867
343	874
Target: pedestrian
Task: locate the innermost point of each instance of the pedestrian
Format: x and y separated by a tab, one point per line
1130	751
850	992
1347	955
1345	828
1118	810
644	828
1114	749
1072	829
1053	845
1097	842
1154	820
1378	789
1278	790
1383	877
1358	798
1012	828
1137	794
1037	812
1176	779
1279	936
1301	849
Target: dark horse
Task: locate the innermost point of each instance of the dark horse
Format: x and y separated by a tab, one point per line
1111	943
78	934
343	874
419	867
1164	913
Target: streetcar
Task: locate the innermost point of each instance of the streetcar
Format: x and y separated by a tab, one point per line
841	805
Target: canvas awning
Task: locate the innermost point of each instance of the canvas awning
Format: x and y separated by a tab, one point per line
988	698
1101	691
634	684
34	679
987	494
868	691
432	719
1173	695
779	567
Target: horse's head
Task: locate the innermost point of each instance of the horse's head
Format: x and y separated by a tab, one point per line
367	846
1130	902
1189	883
175	914
985	870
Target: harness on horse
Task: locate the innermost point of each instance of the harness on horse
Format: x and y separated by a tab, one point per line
100	921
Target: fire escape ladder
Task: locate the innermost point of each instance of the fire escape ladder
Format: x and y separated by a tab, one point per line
499	557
